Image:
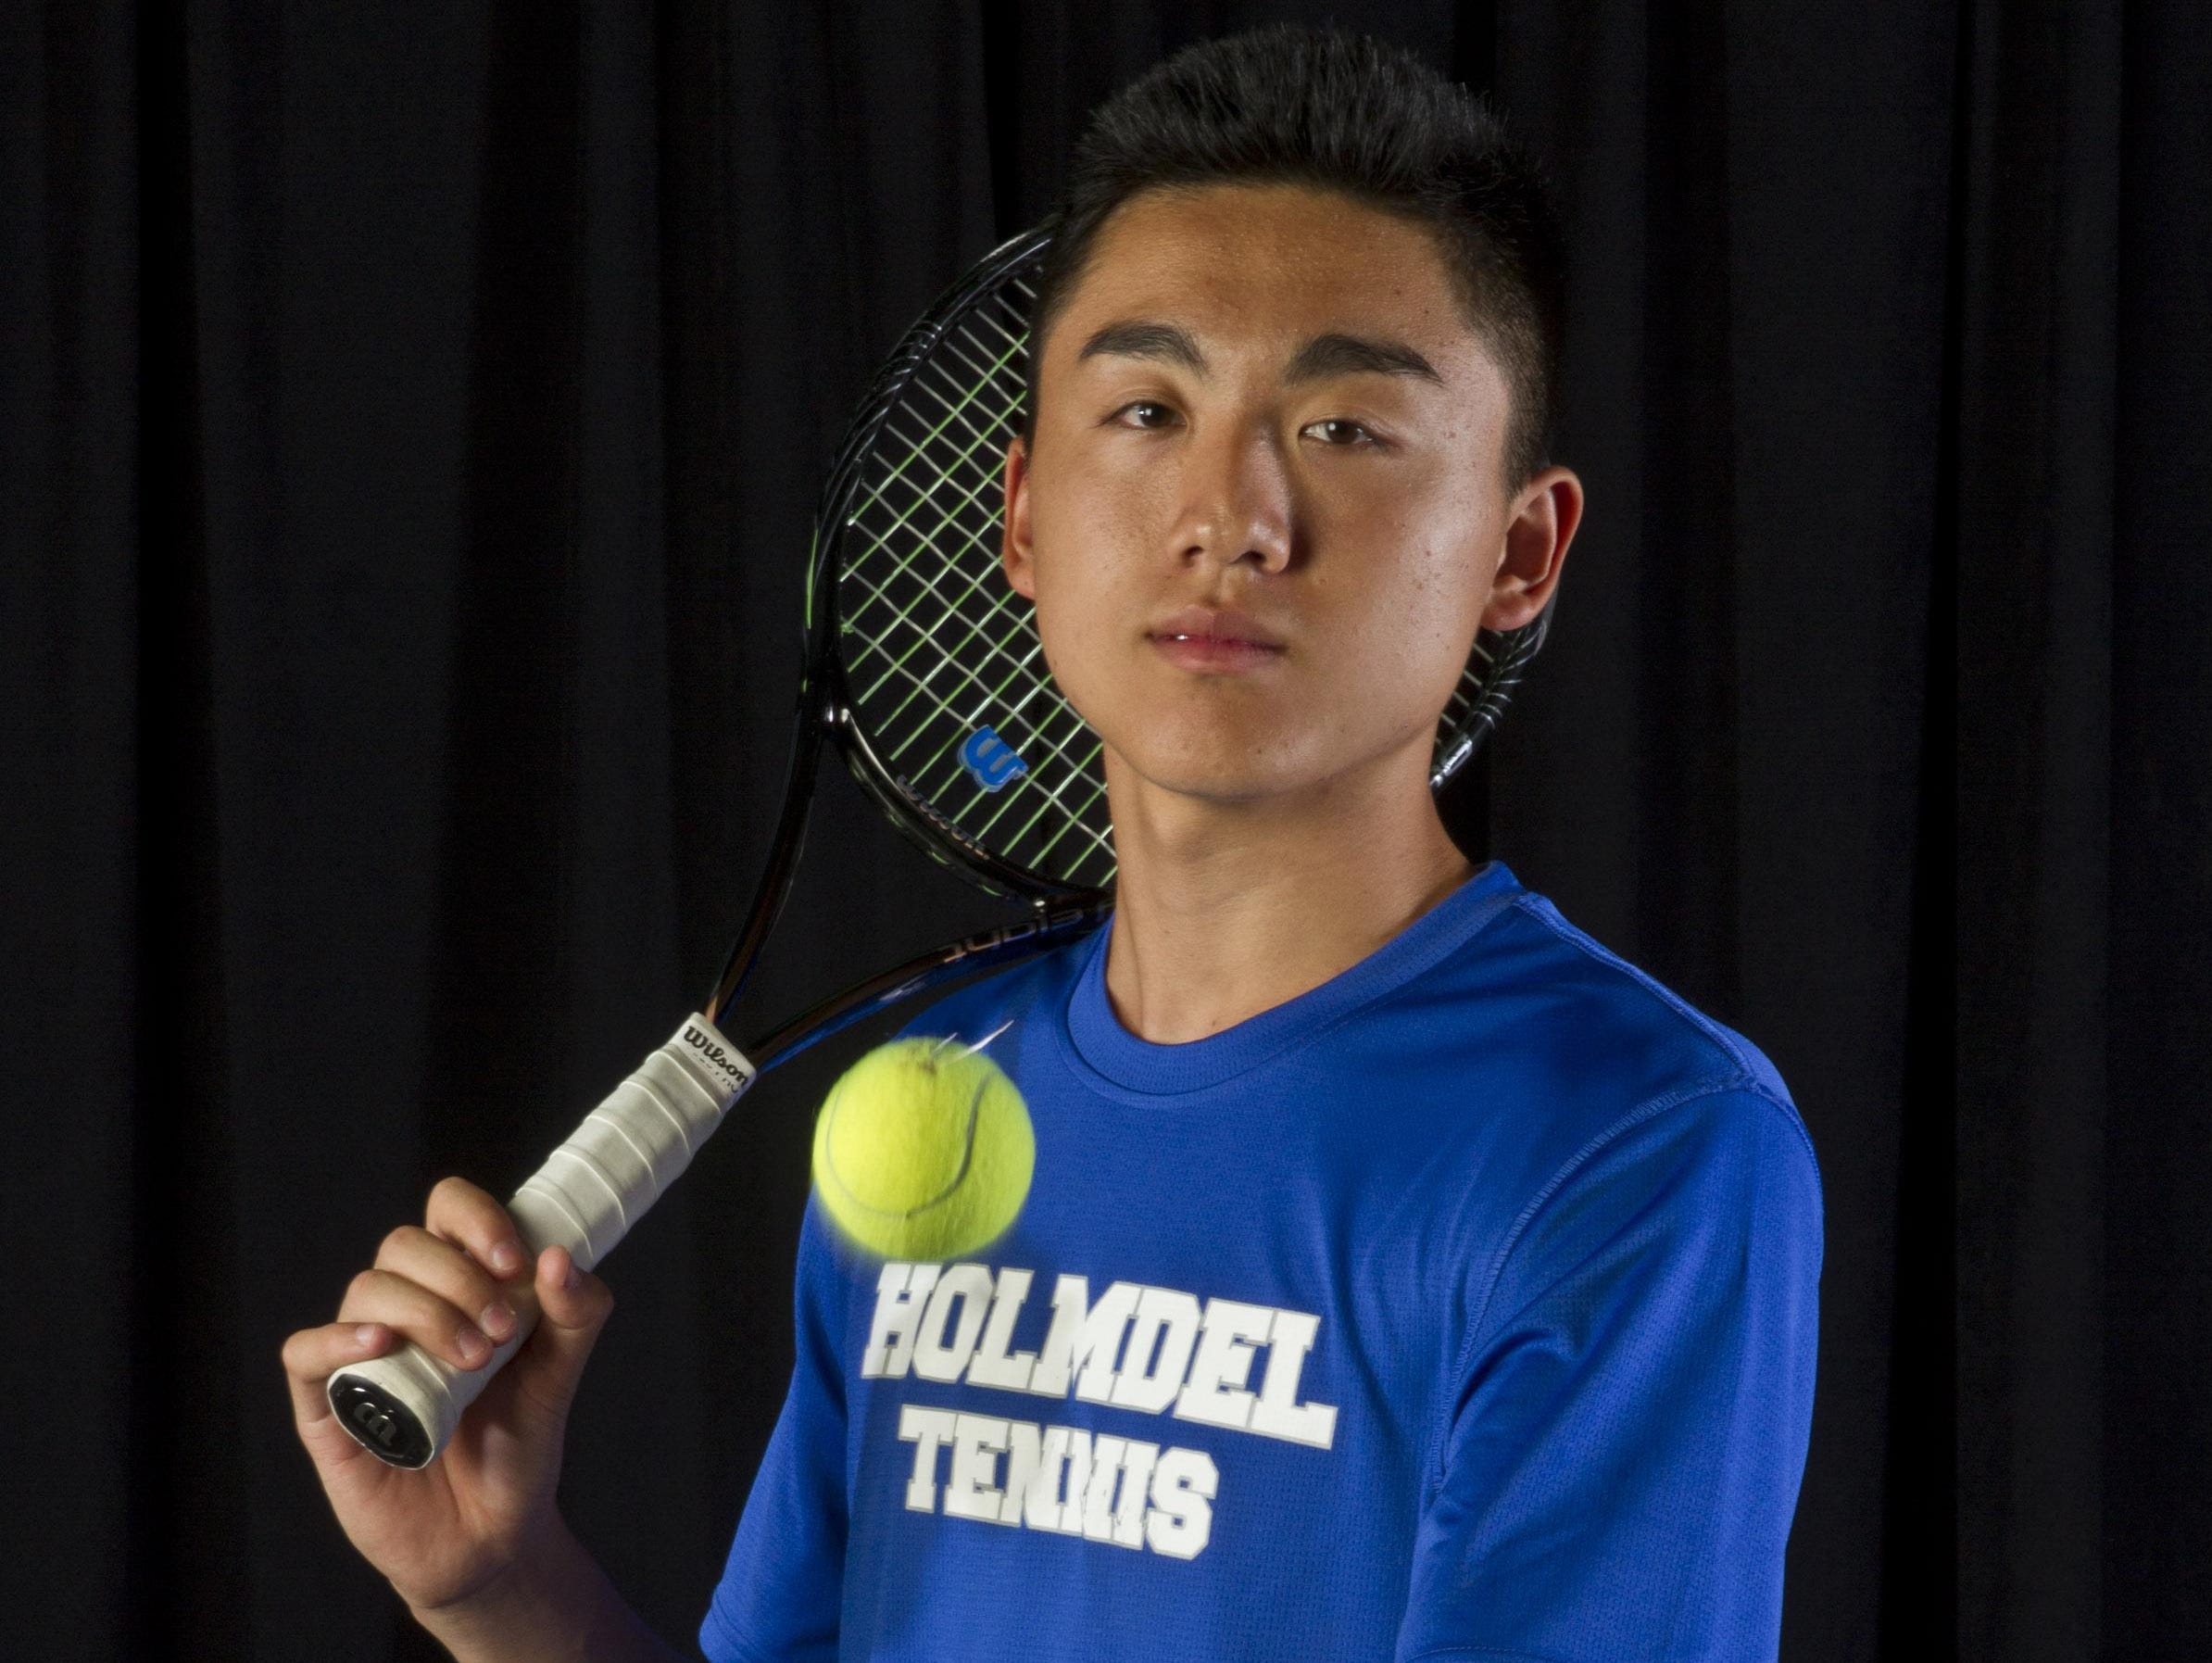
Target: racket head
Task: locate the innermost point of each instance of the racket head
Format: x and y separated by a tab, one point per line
929	668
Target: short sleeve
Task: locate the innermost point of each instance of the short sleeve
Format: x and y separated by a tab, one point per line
1620	1464
780	1590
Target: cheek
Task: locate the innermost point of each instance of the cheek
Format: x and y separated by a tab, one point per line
1409	602
1074	574
1419	627
1412	562
1091	528
1061	573
1450	589
1460	540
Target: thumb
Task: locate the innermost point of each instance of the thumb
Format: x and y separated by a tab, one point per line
573	1306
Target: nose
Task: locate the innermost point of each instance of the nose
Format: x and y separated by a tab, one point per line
1236	500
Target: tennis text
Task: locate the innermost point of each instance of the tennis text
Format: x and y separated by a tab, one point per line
1063	1479
1158	1351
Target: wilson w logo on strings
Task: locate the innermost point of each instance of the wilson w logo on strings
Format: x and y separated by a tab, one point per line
991	760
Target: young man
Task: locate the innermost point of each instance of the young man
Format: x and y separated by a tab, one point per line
1403	1275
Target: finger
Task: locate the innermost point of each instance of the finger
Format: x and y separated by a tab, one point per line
313	1356
573	1299
436	1264
472	1220
573	1306
437	1324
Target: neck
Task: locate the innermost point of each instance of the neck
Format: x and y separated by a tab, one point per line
1226	910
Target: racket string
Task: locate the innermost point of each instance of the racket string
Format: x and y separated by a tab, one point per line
930	598
998	607
969	520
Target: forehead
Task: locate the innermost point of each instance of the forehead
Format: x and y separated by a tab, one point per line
1266	267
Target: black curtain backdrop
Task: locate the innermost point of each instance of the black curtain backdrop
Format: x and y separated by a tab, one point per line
410	423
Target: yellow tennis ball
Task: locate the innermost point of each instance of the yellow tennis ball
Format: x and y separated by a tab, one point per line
924	1151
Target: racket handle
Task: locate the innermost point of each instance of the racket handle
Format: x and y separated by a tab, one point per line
402	1407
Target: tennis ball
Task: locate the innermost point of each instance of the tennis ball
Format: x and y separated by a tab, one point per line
924	1151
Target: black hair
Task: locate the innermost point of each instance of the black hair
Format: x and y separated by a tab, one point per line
1293	105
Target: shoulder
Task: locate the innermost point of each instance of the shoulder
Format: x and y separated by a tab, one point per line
1557	1062
1672	1109
1726	1076
1625	1019
1021	994
1602	1038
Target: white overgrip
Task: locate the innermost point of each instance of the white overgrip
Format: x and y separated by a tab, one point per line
584	1197
631	1147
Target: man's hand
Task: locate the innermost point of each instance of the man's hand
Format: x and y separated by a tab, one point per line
484	1510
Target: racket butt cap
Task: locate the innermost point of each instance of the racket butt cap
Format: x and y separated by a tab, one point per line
379	1422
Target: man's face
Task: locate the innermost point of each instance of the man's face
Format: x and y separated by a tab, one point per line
1262	414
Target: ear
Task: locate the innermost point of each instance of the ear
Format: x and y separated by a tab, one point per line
1545	515
1014	547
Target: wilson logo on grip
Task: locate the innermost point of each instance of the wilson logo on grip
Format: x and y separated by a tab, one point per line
991	760
714	1054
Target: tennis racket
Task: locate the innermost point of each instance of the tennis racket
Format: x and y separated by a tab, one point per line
924	668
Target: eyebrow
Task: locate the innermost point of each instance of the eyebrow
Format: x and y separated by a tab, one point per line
1328	355
1164	342
1319	359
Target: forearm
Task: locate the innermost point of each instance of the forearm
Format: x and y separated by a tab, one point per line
559	1608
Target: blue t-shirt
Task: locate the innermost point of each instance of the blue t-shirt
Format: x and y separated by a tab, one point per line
1462	1307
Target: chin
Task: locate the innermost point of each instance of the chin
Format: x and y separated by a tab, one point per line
1223	767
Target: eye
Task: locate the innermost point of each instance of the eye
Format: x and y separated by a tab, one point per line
1145	413
1340	431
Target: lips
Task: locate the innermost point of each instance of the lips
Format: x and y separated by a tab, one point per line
1215	623
1214	640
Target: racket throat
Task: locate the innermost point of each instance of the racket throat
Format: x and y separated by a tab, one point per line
784	849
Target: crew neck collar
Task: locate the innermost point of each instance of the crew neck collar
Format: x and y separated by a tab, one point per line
1098	1040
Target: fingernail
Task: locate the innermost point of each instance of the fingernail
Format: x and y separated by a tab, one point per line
575	1279
497	1320
367	1334
472	1346
507	1258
